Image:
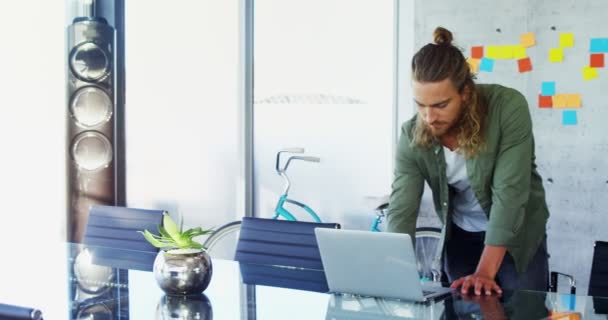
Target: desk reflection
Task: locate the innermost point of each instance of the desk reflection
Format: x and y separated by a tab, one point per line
343	307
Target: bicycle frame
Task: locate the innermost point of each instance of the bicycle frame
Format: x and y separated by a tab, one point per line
282	212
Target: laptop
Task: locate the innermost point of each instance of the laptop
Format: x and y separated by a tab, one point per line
377	264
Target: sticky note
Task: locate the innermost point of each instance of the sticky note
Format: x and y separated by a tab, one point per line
474	64
519	52
573	100
589	73
477	52
527	39
487	65
569	118
560	101
566	40
596	60
524	65
505	52
493	52
599	45
556	55
548	88
545	101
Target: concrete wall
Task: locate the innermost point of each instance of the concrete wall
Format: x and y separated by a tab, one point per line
571	159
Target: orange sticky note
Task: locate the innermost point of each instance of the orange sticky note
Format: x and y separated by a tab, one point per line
474	64
589	73
556	55
596	60
527	39
524	65
573	100
477	52
560	101
545	101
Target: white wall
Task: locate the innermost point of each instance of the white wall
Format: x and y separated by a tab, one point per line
333	60
181	110
32	125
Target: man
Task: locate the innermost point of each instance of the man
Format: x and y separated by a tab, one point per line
473	145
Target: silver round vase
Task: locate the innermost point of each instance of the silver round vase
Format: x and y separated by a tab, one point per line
184	308
183	271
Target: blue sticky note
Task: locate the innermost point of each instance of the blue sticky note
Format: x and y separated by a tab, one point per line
599	45
548	88
486	64
569	118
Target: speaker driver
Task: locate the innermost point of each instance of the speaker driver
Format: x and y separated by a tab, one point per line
91	151
89	62
91	106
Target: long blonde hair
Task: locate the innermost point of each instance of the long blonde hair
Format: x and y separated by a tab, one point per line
439	61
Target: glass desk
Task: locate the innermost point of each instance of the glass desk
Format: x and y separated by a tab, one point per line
78	282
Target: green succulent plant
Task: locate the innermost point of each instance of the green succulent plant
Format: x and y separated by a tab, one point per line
173	237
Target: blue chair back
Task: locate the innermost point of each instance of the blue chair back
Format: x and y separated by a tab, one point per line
12	312
117	227
267	275
280	243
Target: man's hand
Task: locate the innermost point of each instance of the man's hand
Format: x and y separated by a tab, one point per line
479	283
482	281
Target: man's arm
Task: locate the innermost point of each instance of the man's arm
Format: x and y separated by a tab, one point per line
407	188
510	193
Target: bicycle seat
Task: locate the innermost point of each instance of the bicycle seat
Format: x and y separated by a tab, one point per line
377	203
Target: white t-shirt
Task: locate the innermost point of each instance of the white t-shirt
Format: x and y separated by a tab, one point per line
466	211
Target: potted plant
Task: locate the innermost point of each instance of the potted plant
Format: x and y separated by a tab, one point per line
182	266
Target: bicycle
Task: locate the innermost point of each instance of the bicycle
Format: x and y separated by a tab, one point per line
427	244
280	210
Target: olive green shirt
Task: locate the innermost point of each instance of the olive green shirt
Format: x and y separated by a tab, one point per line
503	177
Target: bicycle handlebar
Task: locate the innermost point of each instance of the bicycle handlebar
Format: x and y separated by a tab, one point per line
292	150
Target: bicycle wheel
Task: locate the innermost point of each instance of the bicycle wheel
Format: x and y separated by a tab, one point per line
222	242
427	243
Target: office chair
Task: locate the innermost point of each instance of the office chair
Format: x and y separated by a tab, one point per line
12	312
280	243
112	233
598	280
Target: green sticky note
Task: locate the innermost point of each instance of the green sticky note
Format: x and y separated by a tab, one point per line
556	55
566	40
589	73
519	52
492	52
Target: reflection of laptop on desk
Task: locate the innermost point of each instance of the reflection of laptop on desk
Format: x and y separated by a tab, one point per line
378	264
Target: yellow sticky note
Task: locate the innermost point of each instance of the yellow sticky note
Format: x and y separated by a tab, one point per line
519	52
505	52
474	64
589	73
566	40
527	39
560	101
573	100
556	55
493	52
